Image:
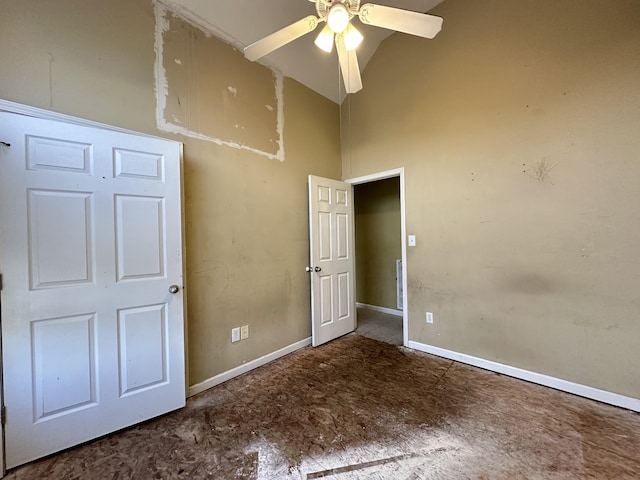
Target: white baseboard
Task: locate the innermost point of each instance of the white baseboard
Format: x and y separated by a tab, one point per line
258	362
541	379
390	311
559	384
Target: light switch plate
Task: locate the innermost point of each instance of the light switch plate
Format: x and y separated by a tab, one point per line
412	240
235	334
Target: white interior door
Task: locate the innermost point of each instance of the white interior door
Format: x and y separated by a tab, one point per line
90	244
331	259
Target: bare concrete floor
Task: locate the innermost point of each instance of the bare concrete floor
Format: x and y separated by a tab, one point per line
358	408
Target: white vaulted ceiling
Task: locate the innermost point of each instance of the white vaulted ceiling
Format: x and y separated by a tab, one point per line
242	22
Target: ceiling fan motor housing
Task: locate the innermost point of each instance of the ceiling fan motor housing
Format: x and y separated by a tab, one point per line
323	7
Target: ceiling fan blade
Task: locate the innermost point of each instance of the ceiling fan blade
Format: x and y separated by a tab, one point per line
283	36
349	66
406	21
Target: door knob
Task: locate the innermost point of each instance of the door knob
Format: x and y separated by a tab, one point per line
308	269
174	289
317	269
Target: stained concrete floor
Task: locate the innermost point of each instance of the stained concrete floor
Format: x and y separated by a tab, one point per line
357	408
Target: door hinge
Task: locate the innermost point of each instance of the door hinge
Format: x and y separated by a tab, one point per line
0	281
3	415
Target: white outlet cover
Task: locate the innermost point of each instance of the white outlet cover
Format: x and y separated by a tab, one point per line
429	317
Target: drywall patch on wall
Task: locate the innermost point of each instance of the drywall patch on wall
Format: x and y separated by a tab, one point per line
206	89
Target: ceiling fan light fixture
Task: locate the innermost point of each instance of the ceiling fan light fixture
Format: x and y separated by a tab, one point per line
324	40
338	18
338	14
352	38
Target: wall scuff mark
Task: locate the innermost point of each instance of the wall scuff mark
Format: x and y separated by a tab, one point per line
51	80
541	171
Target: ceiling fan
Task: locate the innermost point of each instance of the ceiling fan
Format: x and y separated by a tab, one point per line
338	14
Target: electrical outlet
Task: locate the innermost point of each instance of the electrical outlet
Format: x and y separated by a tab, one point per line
244	332
235	334
429	317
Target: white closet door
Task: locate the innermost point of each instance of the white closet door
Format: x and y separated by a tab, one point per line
90	246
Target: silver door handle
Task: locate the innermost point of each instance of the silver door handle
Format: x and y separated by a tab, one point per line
317	269
308	269
174	289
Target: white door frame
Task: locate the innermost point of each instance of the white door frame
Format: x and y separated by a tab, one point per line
13	107
397	172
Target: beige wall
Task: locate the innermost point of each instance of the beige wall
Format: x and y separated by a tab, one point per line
518	127
246	215
378	241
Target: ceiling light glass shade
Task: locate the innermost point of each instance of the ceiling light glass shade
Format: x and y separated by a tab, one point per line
324	40
338	18
352	38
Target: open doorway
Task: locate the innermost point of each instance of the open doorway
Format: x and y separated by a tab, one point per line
380	254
